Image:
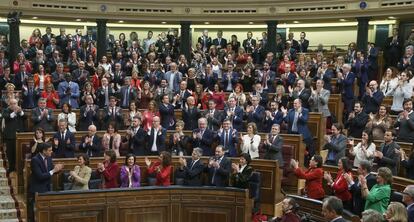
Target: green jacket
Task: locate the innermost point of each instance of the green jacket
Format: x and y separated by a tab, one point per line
378	198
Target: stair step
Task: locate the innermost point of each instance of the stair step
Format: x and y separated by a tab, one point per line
4	191
7	202
9	220
8	213
4	182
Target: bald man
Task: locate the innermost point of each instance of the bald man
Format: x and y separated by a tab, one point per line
372	98
91	143
156	137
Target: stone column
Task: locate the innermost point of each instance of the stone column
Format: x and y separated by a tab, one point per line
271	36
362	33
101	43
13	19
185	41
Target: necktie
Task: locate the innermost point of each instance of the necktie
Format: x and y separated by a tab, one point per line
63	136
126	97
111	141
192	164
106	96
113	112
295	123
226	137
45	161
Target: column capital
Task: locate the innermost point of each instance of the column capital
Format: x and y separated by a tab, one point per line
101	21
185	23
13	18
272	22
363	19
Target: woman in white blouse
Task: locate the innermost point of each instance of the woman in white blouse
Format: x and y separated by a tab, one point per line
389	81
69	116
250	142
364	150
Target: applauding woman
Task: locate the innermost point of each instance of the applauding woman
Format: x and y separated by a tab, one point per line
81	174
109	170
161	169
313	176
251	141
242	172
364	150
130	173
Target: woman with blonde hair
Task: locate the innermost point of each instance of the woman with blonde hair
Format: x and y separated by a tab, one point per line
396	212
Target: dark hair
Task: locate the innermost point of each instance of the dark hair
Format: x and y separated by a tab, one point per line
393	133
247	157
360	103
44	146
338	126
333	204
346	164
113	124
318	159
40	129
85	158
406	101
166	158
366	165
112	155
128	156
69	107
369	133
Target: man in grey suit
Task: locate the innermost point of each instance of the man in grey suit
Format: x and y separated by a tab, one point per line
42	116
405	122
319	99
214	117
273	145
335	144
332	209
173	77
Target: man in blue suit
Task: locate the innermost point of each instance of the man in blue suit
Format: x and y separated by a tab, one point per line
235	114
347	79
203	137
228	138
273	116
69	92
219	168
42	171
297	120
167	113
256	113
64	141
230	78
408	199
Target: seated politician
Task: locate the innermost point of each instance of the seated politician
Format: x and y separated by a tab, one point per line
191	170
219	168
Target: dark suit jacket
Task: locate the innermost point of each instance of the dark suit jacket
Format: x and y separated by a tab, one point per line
205	44
108	117
190	118
160	139
371	104
358	201
274	150
64	149
193	173
390	157
87	118
277	119
12	125
357	124
327	76
167	116
40	179
18	81
257	116
223	42
137	143
214	122
93	150
205	142
45	123
80	76
409	167
100	93
347	86
241	180
221	174
302	122
406	132
303	96
249	47
236	119
131	97
303	46
30	99
410	212
231	146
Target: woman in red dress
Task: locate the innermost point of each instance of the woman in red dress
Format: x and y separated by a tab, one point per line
161	168
145	96
313	177
286	61
51	96
109	170
21	60
42	79
148	115
340	185
218	96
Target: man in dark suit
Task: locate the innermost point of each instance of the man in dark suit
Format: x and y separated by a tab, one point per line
228	138
127	93
297	120
64	141
62	40
203	137
405	122
14	122
219	168
119	76
234	113
190	114
230	78
89	36
214	117
220	42
260	93
69	92
332	209
88	114
191	170
324	73
58	75
166	111
372	55
408	199
47	36
388	155
346	80
181	95
104	93
30	94
273	116
42	116
300	92
249	44
364	171
156	138
80	75
256	113
357	121
136	137
112	113
372	98
293	42
21	77
393	49
43	169
91	143
205	41
267	77
273	145
303	43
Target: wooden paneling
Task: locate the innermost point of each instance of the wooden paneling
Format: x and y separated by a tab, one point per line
317	126
336	106
149	204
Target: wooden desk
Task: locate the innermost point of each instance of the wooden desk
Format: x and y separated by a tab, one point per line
146	204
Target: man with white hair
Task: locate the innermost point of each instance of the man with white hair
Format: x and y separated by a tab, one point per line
14	122
173	77
346	79
203	137
408	60
408	199
205	41
91	143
